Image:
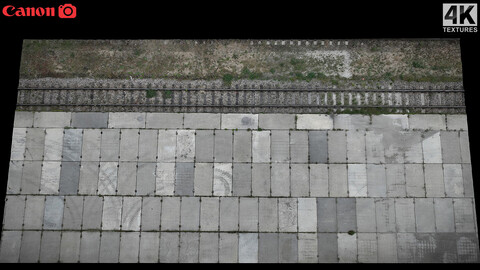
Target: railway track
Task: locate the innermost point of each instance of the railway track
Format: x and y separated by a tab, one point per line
262	100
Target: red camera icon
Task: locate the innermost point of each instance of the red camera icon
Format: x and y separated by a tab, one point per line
67	11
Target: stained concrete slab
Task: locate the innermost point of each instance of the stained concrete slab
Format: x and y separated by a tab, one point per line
414	180
19	137
23	119
307	248
287	215
69	178
165	179
427	121
185	149
222	179
327	247
34	143
131	213
347	248
107	178
357	180
169	247
247	247
189	247
52	217
287	248
126	120
434	185
268	248
50	178
184	178
90	120
457	122
314	121
337	147
307	215
31	177
432	147
450	142
73	213
53	144
366	220
239	121
30	247
317	146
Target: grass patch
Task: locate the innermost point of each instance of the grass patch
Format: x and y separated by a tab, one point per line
150	93
227	79
167	94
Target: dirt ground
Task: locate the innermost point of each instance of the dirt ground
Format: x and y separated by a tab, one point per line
332	62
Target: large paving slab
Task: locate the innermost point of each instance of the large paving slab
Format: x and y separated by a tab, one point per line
229	188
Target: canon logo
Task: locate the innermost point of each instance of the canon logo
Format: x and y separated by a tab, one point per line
64	11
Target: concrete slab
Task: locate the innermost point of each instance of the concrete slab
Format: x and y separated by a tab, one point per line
164	120
317	146
467	180
267	215
204	146
326	215
434	185
228	248
414	180
222	179
239	121
242	146
260	146
450	141
356	146
280	145
70	247
165	179
50	247
276	121
405	214
189	247
10	246
189	213
327	247
185	150
170	214
151	211
424	215
209	213
92	213
464	146
396	184
467	248
318	180
109	247
50	179
52	216
248	247
146	178
52	119
34	210
30	247
307	215
19	137
53	144
307	248
299	146
268	248
23	119
280	179
387	247
412	146
242	179
347	248
131	213
287	215
91	144
390	121
110	145
431	145
444	215
346	215
208	249
385	214
107	178
89	247
127	178
69	177
337	147
427	121
72	213
464	215
366	220
126	120
112	213
148	250
457	122
374	147
167	142
203	179
314	121
248	214
338	183
260	179
184	177
357	180
351	121
299	180
287	248
367	250
229	214
453	180
223	146
13	212
34	143
201	120
89	120
169	247
14	176
31	177
129	145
